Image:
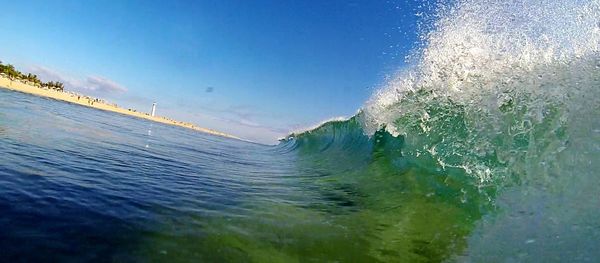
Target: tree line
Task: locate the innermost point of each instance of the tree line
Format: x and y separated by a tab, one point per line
10	71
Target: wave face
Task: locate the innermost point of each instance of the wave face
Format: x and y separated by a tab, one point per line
404	208
502	101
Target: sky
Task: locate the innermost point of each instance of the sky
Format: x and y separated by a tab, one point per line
255	69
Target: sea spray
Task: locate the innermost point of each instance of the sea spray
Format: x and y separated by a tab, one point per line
510	73
501	99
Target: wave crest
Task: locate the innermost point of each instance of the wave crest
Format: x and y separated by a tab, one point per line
495	83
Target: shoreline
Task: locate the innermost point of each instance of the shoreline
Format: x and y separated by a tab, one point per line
22	86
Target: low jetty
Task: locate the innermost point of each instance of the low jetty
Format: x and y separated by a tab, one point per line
33	88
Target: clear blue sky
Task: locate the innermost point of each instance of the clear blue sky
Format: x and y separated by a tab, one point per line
256	69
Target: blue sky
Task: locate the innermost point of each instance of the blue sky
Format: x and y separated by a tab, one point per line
255	69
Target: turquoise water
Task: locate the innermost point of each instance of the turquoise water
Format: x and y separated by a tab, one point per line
484	149
82	184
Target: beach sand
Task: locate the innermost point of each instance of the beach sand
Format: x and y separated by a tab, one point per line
21	86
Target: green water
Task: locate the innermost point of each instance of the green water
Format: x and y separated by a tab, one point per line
359	200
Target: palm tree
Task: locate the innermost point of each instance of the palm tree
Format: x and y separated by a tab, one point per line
10	71
60	86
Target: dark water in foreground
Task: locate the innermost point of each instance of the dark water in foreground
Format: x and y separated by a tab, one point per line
82	184
78	184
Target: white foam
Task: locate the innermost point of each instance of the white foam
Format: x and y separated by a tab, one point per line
482	55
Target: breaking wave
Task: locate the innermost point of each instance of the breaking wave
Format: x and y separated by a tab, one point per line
497	89
501	101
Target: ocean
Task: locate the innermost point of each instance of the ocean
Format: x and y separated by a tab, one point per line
485	148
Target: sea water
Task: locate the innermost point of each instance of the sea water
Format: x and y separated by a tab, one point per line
484	148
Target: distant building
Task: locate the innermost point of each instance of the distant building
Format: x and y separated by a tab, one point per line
153	109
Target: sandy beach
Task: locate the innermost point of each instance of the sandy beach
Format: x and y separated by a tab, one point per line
23	86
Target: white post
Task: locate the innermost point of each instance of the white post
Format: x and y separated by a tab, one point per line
153	109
